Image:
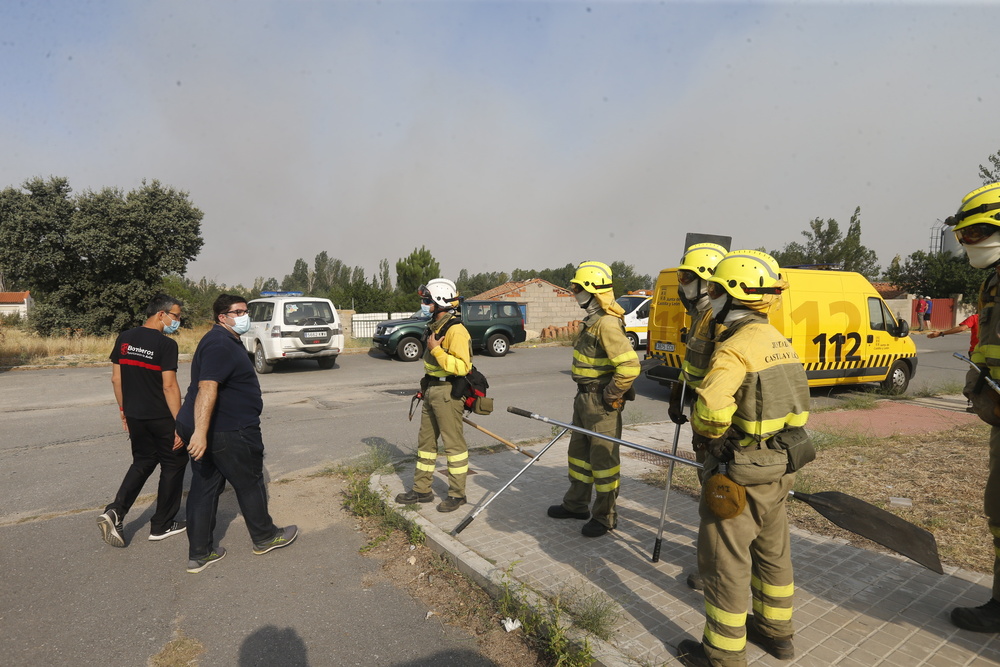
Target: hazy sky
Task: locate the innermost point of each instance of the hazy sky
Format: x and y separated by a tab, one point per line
506	135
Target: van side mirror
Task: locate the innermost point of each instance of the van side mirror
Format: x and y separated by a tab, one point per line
902	329
642	313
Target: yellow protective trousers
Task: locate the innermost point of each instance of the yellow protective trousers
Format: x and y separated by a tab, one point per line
594	463
441	417
747	553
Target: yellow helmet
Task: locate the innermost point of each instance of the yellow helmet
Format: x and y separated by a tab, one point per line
594	277
747	274
979	207
701	259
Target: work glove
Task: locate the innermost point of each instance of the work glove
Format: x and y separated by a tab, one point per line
612	399
722	448
675	409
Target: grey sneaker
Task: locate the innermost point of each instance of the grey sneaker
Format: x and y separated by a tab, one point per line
175	528
284	537
196	566
111	528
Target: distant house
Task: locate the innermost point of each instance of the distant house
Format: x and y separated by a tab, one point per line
889	291
543	303
19	303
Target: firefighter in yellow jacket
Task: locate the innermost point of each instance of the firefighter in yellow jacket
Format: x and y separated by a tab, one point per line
447	360
977	226
754	393
604	368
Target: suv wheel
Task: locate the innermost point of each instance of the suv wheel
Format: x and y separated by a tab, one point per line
409	349
497	345
327	362
260	361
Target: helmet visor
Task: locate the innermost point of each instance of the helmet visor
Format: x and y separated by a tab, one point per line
686	277
714	290
974	234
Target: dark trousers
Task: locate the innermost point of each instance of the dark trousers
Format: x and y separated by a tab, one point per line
152	445
236	457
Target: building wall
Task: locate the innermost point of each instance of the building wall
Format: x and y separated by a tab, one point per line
547	305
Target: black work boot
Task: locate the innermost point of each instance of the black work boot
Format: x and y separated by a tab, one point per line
780	647
594	528
985	618
694	581
560	512
411	497
450	504
692	654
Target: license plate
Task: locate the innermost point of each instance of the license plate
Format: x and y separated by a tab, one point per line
317	334
663	346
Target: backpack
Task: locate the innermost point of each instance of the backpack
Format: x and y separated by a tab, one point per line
475	393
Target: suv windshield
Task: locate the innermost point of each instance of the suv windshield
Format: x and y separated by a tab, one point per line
297	313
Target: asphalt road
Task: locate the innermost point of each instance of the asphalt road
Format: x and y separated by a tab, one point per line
66	598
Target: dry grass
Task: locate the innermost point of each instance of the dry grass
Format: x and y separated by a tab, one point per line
23	348
942	474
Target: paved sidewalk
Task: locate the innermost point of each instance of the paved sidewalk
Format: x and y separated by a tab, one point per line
853	607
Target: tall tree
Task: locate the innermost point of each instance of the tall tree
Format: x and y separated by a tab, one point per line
826	245
412	272
298	279
93	260
991	174
937	275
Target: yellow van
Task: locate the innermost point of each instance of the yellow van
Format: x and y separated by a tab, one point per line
836	321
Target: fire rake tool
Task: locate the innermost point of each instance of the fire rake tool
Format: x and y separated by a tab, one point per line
846	511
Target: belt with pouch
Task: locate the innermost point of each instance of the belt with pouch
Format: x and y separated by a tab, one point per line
590	387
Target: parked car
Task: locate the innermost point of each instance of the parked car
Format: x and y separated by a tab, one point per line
493	325
636	305
287	325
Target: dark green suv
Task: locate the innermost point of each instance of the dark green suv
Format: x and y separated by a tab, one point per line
493	325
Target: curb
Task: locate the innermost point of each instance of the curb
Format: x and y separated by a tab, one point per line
488	577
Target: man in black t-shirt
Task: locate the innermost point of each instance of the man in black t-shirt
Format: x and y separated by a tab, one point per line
144	377
220	422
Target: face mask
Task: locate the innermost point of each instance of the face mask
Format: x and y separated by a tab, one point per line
241	324
425	309
984	254
691	290
583	298
172	327
719	306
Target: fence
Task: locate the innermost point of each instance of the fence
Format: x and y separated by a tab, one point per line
363	324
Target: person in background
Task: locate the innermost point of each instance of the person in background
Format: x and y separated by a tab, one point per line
144	378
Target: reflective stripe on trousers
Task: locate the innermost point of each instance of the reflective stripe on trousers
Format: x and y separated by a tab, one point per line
594	463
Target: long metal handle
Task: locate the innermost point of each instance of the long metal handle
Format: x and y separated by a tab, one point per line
467	520
983	373
670	478
595	434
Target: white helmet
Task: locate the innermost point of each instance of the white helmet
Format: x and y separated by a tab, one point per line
440	291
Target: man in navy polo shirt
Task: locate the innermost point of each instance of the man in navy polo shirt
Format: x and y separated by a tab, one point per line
144	378
220	422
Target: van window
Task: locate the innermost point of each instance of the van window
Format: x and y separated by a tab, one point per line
298	312
878	313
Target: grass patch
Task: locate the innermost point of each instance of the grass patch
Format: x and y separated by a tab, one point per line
180	651
20	347
864	401
943	389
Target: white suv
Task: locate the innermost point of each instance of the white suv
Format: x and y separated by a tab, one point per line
287	325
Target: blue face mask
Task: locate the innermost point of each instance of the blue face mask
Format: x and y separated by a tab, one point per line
241	324
425	309
172	327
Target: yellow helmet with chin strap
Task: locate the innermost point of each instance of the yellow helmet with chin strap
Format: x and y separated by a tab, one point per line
702	258
979	207
748	275
594	277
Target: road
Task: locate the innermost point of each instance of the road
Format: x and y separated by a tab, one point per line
67	598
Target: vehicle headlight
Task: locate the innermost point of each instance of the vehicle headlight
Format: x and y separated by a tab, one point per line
388	330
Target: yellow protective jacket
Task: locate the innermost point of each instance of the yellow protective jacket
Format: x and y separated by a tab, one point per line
755	382
454	356
603	353
987	351
700	344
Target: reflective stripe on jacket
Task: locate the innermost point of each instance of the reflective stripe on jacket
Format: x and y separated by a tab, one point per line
700	344
603	353
987	351
755	382
454	355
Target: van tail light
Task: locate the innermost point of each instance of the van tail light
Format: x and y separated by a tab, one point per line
275	332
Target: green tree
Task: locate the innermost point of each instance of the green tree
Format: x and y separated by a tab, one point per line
477	283
93	260
991	174
825	245
627	280
937	275
298	279
412	272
